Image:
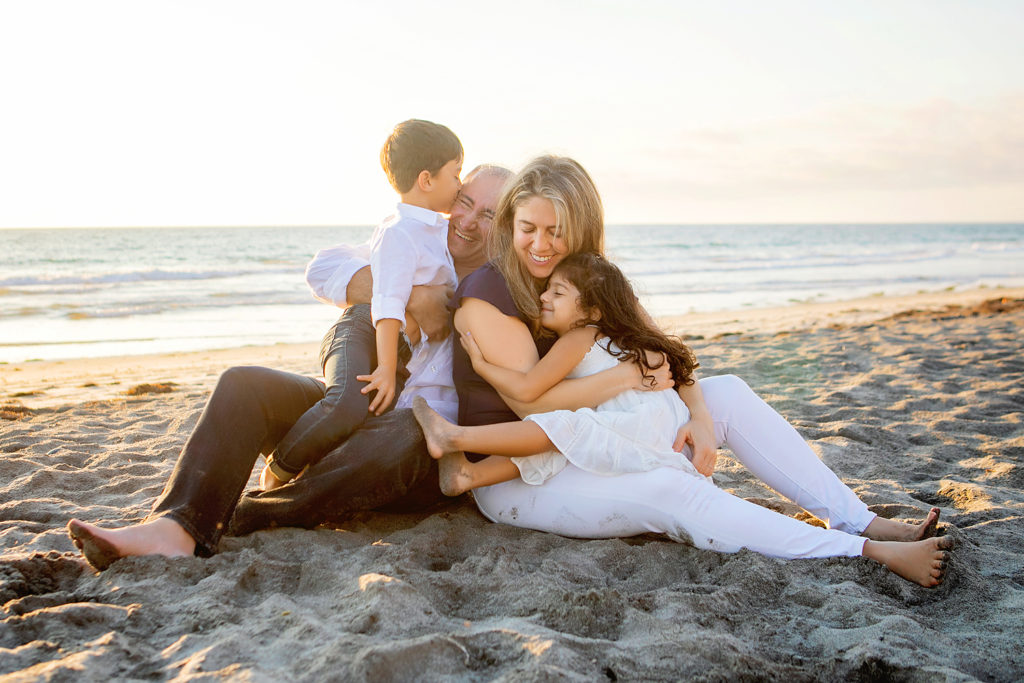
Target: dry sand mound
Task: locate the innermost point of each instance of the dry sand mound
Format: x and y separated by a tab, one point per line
912	412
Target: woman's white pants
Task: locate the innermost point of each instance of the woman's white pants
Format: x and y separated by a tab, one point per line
671	501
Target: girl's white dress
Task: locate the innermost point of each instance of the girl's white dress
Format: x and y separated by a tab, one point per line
632	432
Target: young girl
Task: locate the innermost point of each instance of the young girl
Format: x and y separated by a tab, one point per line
591	306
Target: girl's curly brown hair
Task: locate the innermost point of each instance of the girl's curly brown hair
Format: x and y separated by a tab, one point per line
604	288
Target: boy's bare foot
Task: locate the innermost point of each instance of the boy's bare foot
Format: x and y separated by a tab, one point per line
882	529
439	432
454	474
923	562
268	481
102	547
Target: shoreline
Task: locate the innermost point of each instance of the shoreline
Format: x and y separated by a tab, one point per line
54	383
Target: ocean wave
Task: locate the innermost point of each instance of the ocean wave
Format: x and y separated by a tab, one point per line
778	262
754	287
156	275
997	248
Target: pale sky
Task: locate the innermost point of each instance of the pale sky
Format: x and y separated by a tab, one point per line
273	112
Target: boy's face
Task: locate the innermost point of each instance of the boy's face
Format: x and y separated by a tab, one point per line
471	217
446	183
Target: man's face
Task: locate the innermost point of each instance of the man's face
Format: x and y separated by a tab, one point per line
471	217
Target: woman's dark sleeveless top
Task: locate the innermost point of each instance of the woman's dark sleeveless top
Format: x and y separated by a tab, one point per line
479	403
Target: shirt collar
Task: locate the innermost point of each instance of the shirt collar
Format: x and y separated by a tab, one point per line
422	215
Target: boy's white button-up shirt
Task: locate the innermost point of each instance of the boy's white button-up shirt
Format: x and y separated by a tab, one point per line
411	248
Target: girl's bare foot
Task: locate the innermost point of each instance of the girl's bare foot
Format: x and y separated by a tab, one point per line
882	529
439	432
923	562
454	473
102	547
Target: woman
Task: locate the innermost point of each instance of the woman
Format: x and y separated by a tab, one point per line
383	463
552	209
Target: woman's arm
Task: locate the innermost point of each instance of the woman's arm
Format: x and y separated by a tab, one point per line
506	342
565	355
699	432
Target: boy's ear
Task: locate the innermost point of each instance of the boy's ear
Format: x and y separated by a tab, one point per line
425	181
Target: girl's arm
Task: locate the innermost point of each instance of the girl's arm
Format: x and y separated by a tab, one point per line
565	354
506	342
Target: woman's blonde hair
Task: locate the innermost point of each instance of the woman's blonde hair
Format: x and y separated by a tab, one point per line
579	213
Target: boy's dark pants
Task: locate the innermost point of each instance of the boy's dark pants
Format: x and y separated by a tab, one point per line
348	349
383	462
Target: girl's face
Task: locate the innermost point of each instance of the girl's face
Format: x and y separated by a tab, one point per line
560	306
536	238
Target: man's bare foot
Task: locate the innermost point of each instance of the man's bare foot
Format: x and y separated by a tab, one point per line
923	562
882	529
102	547
439	432
454	473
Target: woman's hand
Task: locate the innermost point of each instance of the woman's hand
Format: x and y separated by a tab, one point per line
699	434
656	379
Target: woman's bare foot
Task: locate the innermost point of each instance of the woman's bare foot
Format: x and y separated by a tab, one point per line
439	432
923	562
102	547
454	473
882	529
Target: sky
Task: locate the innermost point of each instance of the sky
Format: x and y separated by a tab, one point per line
258	112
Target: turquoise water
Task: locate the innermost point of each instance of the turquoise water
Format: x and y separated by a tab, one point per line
72	293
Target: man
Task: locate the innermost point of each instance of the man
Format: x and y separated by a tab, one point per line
385	461
383	464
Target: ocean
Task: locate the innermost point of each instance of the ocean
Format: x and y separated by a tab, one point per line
72	293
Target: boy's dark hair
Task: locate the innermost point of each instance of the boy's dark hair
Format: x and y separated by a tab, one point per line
604	288
415	146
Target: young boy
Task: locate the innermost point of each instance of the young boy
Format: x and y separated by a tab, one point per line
423	162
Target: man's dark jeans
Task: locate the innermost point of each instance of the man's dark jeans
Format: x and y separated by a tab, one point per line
251	409
348	349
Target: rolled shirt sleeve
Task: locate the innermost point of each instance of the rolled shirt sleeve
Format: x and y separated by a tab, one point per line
330	271
393	262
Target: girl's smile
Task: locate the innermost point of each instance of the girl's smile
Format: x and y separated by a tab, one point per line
560	306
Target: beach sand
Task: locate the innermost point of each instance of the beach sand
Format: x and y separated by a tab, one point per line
914	402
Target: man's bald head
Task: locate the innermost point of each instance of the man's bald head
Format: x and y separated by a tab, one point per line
472	214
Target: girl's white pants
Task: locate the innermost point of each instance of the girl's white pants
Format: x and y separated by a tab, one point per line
682	505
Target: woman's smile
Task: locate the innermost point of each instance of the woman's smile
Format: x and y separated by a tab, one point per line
538	239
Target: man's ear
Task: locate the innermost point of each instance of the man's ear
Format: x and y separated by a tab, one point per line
425	181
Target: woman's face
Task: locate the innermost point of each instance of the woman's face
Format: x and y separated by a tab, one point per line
537	239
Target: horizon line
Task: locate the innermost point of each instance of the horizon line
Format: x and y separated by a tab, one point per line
646	224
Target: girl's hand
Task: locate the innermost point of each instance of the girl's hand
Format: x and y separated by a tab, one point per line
471	347
699	435
381	380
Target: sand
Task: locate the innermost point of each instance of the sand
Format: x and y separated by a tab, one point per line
914	403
